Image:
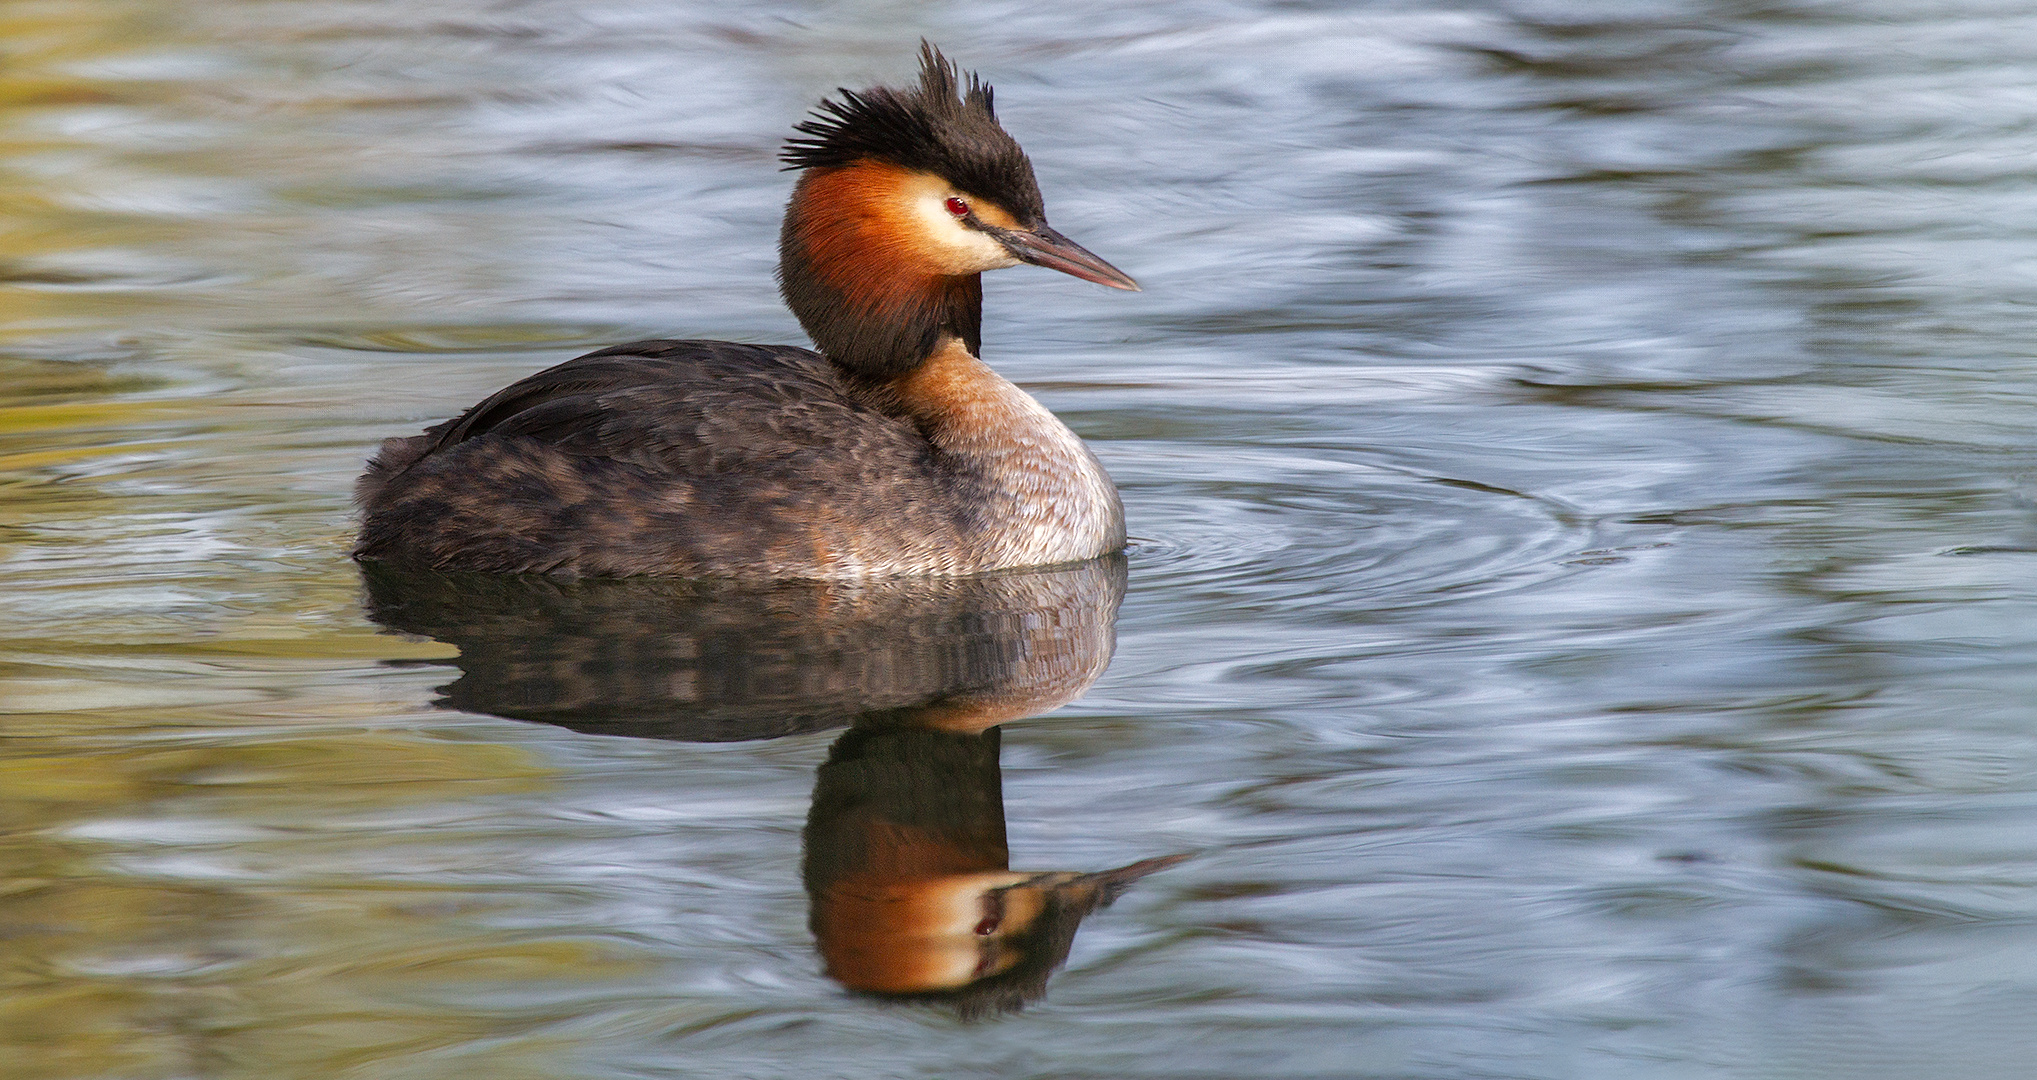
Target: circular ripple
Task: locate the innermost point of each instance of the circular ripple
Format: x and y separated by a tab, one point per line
1289	576
1271	526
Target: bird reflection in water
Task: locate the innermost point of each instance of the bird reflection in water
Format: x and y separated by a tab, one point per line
913	894
906	866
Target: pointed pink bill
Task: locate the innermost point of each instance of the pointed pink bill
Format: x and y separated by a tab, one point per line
1045	247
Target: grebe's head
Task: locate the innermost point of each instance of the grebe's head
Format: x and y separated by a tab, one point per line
905	196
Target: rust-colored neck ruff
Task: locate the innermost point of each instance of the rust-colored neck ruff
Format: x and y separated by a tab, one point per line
853	269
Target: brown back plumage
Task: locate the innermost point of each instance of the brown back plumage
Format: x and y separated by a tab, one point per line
666	457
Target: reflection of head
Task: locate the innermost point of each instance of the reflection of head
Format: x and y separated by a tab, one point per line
906	867
981	944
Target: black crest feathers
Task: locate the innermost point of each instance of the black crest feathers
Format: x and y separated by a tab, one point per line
943	127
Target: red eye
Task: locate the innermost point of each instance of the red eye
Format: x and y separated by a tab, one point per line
958	208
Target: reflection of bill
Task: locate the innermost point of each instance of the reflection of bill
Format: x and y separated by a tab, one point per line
905	854
908	871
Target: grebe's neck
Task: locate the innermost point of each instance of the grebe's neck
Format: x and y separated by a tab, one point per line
1033	493
851	271
900	312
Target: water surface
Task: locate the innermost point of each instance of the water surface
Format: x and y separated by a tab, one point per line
1582	622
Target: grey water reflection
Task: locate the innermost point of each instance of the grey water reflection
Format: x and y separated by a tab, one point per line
906	864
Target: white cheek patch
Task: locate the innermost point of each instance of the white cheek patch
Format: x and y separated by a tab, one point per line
952	247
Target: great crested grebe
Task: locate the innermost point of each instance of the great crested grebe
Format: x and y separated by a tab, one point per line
892	450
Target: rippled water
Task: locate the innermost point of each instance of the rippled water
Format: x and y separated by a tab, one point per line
1582	624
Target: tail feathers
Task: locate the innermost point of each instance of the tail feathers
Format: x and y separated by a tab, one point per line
394	456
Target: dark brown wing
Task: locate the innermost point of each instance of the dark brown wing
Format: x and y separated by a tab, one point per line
691	406
672	457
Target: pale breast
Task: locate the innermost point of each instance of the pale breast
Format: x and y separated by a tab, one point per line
1038	495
